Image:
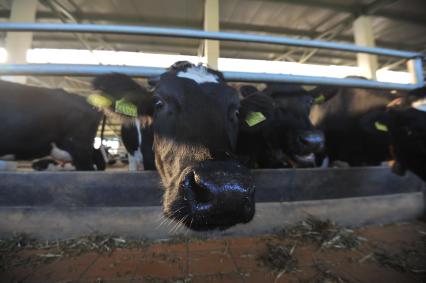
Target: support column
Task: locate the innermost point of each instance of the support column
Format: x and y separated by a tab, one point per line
17	43
211	23
363	34
415	68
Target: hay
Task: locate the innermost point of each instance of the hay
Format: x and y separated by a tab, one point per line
324	233
47	251
279	258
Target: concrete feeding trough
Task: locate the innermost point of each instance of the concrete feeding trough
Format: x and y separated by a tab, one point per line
71	204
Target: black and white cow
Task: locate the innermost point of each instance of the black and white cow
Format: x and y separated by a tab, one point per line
193	113
275	130
138	141
33	118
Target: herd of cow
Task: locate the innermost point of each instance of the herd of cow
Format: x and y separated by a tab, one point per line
202	135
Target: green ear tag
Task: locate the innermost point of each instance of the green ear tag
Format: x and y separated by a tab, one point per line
381	127
254	118
127	108
320	99
99	100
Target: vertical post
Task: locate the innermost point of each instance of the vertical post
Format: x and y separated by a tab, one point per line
17	43
415	68
211	23
363	34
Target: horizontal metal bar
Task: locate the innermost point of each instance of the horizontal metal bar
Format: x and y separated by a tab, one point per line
94	70
188	33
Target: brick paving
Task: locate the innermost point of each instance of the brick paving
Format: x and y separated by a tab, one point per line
233	259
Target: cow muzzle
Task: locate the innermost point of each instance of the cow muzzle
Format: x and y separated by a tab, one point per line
217	194
312	141
309	143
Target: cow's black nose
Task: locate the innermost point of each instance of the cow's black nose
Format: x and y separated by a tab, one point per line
312	141
218	195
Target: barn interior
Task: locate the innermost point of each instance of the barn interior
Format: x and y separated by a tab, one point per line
394	24
362	224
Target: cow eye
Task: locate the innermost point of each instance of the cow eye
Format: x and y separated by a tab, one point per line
158	103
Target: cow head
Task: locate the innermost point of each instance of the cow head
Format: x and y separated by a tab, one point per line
288	136
404	122
194	117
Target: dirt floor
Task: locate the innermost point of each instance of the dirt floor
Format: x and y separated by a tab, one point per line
312	251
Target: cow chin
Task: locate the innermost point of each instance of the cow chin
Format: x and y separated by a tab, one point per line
212	195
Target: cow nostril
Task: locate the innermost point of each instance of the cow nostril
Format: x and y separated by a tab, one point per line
194	192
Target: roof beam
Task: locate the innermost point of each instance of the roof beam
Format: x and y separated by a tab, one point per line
93	17
344	7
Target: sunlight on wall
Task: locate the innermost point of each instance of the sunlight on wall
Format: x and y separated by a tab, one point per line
75	56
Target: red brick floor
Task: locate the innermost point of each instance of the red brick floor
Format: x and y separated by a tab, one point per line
222	260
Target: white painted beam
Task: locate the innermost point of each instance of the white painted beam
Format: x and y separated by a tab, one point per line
363	34
17	43
211	23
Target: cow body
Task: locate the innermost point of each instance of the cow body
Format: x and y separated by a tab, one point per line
32	118
138	138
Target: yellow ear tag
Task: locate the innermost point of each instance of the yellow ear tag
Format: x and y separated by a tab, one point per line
254	118
381	127
99	100
320	99
127	108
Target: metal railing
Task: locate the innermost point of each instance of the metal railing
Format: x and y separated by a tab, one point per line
415	59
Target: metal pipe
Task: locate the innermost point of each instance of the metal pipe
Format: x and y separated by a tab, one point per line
188	33
94	70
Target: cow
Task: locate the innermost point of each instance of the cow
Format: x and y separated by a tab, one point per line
138	140
136	132
275	130
193	113
365	127
32	118
37	122
344	118
52	164
404	122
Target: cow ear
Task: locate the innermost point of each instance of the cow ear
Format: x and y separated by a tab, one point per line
255	112
123	95
376	123
153	81
322	94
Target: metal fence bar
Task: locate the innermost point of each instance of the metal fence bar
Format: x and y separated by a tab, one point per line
188	33
93	70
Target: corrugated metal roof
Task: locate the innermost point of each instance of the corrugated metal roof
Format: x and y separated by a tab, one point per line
397	24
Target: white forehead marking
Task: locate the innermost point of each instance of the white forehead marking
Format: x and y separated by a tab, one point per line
419	104
199	74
